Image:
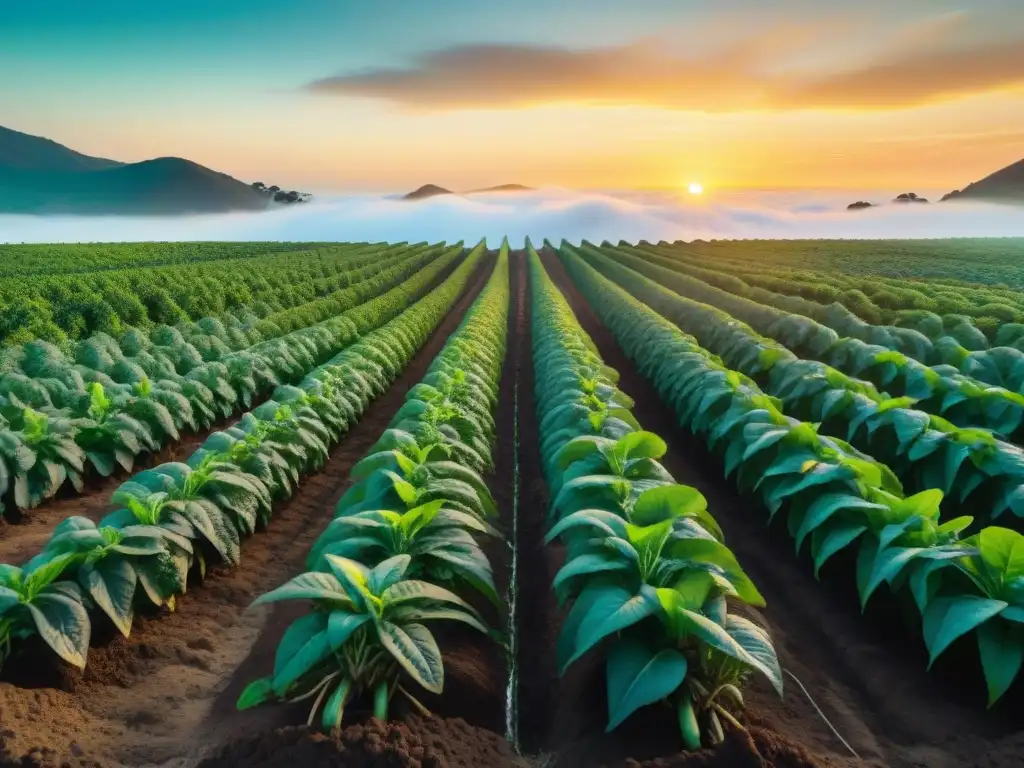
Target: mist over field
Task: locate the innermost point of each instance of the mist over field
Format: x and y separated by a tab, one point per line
548	213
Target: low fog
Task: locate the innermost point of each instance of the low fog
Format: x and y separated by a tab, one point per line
551	213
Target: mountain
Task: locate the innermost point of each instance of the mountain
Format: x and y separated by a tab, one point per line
1006	185
34	153
432	190
39	176
503	188
427	190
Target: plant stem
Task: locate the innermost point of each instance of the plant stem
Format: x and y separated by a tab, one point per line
316	705
724	713
415	702
381	697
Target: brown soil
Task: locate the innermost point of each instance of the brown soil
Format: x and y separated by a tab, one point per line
166	696
428	743
863	674
475	670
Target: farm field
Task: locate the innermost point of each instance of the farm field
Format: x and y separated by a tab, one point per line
729	503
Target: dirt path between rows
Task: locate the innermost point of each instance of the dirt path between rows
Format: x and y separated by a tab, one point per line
166	696
874	689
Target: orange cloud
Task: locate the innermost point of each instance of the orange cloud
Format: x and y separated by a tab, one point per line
773	70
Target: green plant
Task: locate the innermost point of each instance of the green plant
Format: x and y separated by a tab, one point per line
366	627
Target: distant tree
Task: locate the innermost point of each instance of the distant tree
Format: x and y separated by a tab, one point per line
275	189
259	186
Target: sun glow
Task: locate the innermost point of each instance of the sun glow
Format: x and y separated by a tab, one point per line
695	188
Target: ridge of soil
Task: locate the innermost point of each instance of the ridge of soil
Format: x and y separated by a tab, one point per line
166	695
874	690
475	672
414	743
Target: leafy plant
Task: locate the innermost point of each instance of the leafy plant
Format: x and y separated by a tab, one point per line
365	629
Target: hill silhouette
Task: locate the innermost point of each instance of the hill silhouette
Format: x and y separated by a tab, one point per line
40	176
34	153
427	190
1005	185
503	188
433	190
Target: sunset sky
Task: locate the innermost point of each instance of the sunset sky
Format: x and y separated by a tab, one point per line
596	94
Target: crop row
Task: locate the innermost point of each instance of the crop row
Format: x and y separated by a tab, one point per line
56	427
929	339
942	390
401	551
69	258
646	566
957	261
981	473
170	520
167	352
979	303
59	308
828	494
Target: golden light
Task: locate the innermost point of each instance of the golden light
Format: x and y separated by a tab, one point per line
695	188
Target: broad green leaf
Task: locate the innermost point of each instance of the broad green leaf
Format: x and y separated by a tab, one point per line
588	563
341	624
1002	653
352	576
649	540
716	553
407	613
255	693
300	651
614	609
111	583
887	565
636	676
758	645
8	599
334	709
670	501
824	543
307	586
1002	551
414	589
414	648
825	506
299	632
604	521
947	618
63	623
386	573
641	445
924	504
710	633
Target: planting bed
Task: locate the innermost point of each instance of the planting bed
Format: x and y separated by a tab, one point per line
857	689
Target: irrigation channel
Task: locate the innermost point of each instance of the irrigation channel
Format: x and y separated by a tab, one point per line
166	696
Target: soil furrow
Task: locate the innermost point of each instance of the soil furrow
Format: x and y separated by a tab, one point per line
166	695
874	689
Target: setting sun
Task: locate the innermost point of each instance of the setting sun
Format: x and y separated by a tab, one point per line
695	188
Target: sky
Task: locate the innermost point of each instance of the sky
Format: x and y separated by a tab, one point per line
352	95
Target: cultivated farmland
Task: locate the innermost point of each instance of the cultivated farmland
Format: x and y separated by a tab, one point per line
414	504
